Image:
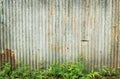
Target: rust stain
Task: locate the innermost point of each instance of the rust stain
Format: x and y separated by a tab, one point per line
115	34
84	13
76	30
94	18
75	24
66	12
66	48
65	19
8	56
58	49
51	10
89	8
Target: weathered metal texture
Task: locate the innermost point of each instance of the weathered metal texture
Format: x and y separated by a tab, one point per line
61	30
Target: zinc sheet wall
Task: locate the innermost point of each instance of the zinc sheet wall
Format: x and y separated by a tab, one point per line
61	30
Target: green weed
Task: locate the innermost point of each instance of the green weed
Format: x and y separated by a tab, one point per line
66	70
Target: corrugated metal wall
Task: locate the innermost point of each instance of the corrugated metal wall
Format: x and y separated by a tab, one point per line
61	30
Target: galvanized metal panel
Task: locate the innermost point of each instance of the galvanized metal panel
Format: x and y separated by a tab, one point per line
61	30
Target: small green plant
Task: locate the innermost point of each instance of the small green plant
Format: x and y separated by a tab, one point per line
66	70
94	74
107	72
21	72
6	71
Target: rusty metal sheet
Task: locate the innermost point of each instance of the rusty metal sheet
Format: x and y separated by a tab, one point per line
61	30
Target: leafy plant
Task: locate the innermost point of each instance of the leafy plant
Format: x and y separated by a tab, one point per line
66	70
94	74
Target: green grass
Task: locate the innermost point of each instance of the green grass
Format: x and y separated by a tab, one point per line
66	70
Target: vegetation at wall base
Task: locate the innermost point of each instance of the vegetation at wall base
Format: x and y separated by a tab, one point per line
66	70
